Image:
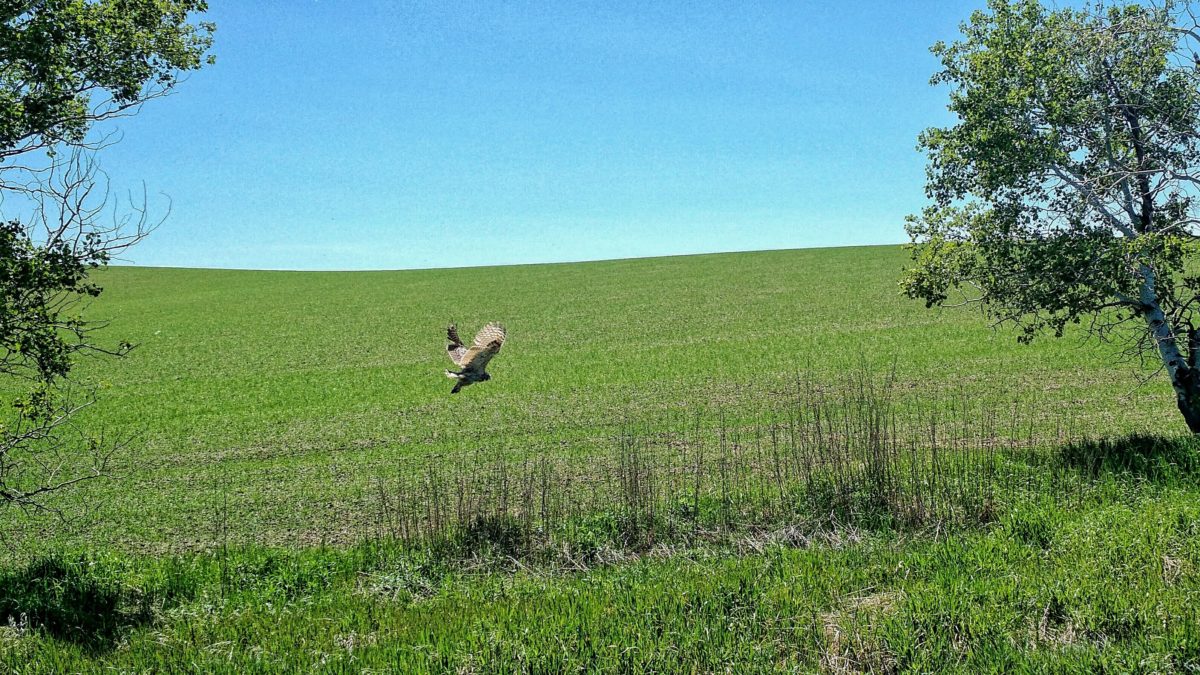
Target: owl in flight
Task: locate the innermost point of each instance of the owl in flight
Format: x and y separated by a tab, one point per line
474	359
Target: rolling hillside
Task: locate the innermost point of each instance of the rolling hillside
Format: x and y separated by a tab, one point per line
301	388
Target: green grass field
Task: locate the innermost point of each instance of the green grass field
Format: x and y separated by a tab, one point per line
302	388
267	409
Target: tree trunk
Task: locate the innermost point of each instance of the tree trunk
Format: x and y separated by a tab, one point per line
1187	397
1184	375
1185	379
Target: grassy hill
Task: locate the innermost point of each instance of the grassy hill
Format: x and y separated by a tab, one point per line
304	387
232	359
276	418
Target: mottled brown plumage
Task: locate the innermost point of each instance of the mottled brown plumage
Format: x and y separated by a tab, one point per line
473	360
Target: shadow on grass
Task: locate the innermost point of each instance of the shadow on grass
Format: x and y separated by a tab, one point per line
1152	457
73	600
486	536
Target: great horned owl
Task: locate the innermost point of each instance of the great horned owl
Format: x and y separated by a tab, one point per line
473	360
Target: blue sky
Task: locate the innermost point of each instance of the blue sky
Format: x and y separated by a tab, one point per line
428	134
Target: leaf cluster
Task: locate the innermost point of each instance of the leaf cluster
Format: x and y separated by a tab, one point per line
65	64
36	282
1068	183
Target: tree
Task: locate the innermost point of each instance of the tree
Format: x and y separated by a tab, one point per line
66	65
1066	191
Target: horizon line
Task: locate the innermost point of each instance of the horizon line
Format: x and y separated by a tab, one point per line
520	264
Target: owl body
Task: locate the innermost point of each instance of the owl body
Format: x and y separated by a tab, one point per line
473	360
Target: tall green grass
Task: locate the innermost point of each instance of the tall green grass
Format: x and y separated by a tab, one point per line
1104	580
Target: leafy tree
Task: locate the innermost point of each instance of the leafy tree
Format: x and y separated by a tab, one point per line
66	65
1066	191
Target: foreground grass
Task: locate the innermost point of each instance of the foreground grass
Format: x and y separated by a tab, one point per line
1104	578
285	398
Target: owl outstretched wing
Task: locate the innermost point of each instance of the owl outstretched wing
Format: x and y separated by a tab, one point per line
456	350
487	344
493	332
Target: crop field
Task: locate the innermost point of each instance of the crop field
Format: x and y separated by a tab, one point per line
302	389
766	461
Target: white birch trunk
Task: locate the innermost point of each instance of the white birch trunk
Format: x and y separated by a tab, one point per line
1183	381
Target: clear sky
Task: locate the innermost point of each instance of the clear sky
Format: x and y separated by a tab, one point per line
364	135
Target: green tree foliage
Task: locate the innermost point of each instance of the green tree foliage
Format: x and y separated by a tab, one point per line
1066	191
66	65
